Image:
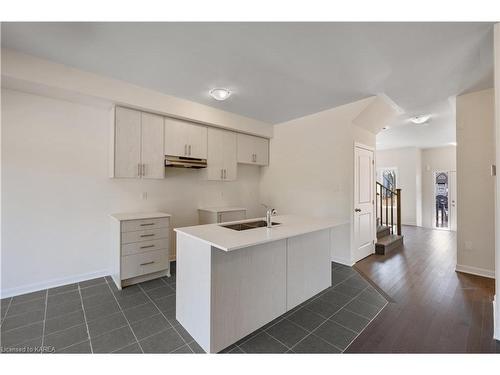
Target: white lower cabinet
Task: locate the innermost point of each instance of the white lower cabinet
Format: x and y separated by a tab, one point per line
141	247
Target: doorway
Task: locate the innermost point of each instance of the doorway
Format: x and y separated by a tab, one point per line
444	187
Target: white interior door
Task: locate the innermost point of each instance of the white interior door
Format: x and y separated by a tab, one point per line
364	212
452	191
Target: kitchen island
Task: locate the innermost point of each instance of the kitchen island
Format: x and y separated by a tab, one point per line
231	282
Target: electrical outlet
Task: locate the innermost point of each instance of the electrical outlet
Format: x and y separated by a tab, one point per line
144	196
468	245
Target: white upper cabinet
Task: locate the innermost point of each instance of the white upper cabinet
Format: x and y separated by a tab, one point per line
127	143
253	150
185	139
152	157
222	160
138	145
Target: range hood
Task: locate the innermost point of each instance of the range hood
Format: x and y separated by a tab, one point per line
184	162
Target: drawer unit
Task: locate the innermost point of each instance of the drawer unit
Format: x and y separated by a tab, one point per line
141	264
144	235
141	245
133	225
144	246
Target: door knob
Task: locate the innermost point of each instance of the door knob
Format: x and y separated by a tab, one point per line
357	210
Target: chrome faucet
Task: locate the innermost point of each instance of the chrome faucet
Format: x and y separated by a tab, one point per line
269	213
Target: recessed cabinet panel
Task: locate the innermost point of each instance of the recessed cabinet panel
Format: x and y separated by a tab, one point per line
153	159
127	157
253	150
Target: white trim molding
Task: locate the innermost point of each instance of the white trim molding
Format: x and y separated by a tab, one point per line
344	261
12	292
475	271
496	319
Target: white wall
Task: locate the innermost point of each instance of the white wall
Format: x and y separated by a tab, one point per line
496	302
56	194
311	169
438	159
475	185
408	163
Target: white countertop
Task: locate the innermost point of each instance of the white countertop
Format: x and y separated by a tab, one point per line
228	239
221	209
139	215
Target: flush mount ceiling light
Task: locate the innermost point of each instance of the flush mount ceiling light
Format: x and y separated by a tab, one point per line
419	120
220	94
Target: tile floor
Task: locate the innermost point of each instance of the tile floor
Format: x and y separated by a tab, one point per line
95	317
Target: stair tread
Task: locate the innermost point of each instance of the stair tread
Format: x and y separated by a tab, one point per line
389	239
381	228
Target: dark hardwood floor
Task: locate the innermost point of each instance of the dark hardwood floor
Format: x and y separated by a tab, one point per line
433	309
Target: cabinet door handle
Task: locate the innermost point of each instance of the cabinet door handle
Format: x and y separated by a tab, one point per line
146	224
139	170
144	170
189	150
145	264
255	160
147	235
225	174
185	149
146	247
221	174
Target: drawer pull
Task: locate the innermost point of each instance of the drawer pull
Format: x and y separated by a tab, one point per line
145	224
147	235
146	247
147	263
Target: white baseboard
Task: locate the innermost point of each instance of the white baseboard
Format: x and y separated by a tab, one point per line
345	262
475	271
11	292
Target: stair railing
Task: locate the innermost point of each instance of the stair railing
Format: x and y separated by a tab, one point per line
385	204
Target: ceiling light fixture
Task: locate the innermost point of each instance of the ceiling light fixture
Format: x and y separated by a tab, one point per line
220	94
422	119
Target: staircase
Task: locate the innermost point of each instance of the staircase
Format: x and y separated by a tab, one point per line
388	232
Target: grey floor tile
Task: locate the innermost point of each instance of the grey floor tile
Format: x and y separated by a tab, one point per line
24	307
363	308
236	350
163	342
95	289
150	326
182	331
63	322
169	280
323	308
101	311
152	284
113	340
287	332
54	310
338	278
263	343
334	297
22	334
29	297
92	282
20	320
98	299
55	299
140	312
80	348
127	291
357	281
335	334
313	344
160	292
372	297
196	348
185	349
130	349
350	320
307	319
167	306
63	289
68	337
347	290
30	347
136	299
108	323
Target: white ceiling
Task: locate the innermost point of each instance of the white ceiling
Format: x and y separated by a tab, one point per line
281	71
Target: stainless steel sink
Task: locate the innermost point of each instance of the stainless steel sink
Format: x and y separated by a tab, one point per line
248	225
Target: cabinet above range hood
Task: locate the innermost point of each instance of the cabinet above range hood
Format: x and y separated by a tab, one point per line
184	162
